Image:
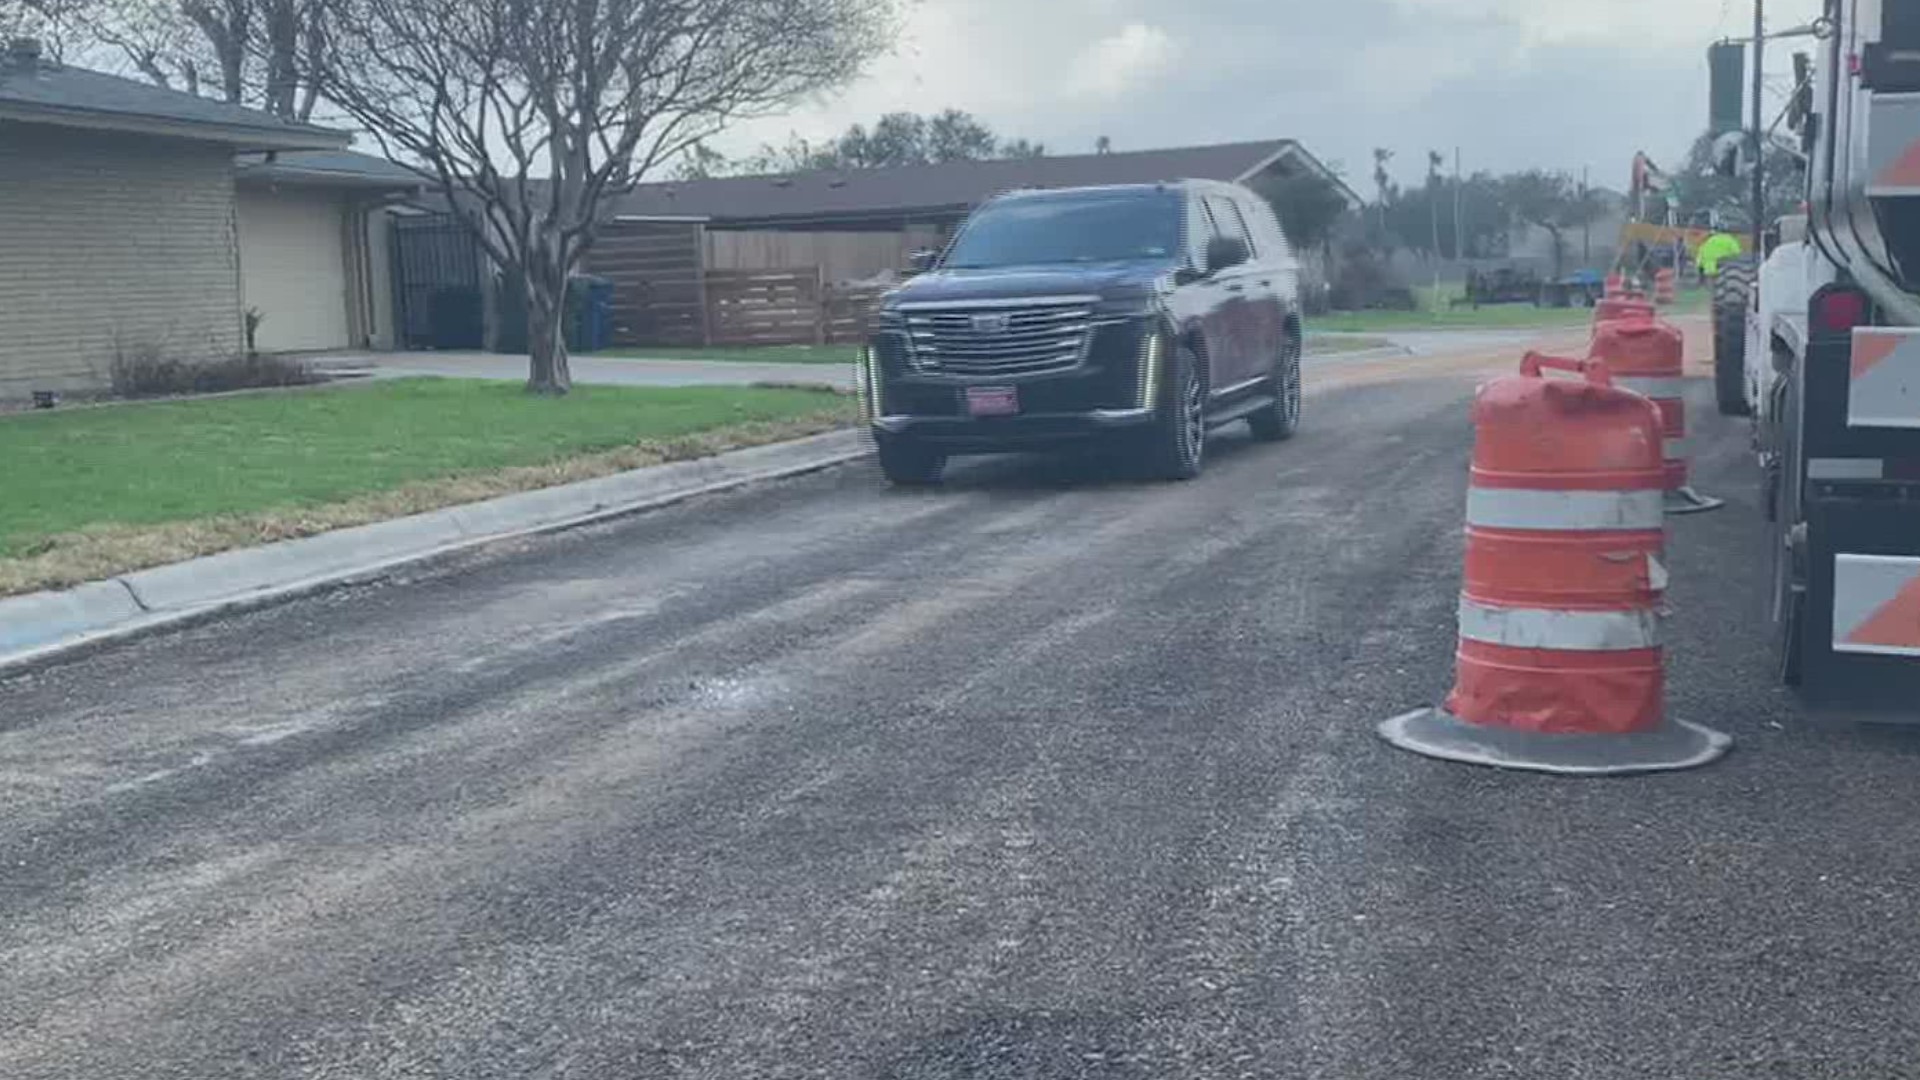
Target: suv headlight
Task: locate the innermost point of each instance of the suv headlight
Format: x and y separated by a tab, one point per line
1135	306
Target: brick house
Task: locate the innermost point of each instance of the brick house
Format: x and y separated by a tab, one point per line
134	217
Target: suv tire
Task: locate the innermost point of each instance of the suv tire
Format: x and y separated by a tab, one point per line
1178	444
1281	419
909	464
1732	289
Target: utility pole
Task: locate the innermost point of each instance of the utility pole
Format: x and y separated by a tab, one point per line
1433	207
1459	224
1759	132
1586	226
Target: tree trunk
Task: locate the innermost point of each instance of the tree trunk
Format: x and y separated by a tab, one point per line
547	371
282	33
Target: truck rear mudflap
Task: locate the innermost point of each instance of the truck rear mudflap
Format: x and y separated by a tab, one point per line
1860	643
1852	622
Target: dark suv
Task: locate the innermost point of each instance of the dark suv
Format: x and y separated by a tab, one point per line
1140	314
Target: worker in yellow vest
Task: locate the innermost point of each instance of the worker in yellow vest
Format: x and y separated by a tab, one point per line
1713	250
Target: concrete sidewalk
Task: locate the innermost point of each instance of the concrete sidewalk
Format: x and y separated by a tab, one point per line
589	370
40	625
617	371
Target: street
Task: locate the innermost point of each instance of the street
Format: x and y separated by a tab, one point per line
1044	773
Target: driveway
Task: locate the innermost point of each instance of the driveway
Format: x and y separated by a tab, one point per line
1042	774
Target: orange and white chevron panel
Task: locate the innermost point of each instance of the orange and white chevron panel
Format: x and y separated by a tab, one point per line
1883	390
1876	605
1893	145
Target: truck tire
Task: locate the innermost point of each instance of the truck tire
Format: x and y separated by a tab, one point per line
1732	289
909	464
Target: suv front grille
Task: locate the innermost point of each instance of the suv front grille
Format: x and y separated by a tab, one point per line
1000	340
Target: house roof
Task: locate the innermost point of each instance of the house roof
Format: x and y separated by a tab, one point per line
950	186
328	168
45	92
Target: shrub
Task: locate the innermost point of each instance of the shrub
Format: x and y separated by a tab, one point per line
146	371
1366	281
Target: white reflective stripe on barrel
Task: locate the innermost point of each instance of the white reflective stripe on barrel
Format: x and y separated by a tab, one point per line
1573	631
1677	448
1653	386
1564	511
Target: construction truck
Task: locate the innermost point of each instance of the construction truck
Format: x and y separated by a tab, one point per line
1820	343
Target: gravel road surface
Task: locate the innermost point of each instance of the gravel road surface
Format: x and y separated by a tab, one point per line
1043	774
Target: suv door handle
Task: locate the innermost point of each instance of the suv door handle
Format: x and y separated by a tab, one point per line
1236	287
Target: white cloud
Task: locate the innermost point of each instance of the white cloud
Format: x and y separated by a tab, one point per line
1555	84
1121	62
1632	23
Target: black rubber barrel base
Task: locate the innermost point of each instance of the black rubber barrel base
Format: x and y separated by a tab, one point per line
1675	744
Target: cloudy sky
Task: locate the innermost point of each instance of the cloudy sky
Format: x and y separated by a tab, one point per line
1561	84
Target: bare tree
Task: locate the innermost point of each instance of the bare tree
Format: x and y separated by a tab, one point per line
529	113
48	21
242	51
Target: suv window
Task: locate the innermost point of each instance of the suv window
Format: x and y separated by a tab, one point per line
1267	227
1200	229
1227	216
1109	226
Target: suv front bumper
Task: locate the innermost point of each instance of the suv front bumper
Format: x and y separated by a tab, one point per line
1099	396
1028	431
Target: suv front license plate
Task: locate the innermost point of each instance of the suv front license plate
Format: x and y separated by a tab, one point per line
992	401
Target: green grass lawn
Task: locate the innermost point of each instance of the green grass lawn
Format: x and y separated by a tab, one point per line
750	354
144	464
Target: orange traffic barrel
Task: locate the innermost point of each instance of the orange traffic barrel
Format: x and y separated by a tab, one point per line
1625	306
1665	289
1648	356
1560	666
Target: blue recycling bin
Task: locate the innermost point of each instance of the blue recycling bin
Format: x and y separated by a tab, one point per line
593	313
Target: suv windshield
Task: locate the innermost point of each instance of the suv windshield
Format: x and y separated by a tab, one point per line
1103	227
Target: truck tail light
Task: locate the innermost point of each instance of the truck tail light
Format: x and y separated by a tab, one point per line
1837	309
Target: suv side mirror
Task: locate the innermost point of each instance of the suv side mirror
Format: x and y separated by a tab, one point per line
921	261
1224	252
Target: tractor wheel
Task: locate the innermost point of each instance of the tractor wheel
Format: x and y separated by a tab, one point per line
1732	290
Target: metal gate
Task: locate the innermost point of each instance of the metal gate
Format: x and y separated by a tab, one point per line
437	281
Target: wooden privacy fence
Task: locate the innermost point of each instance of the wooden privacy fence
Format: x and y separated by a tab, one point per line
785	307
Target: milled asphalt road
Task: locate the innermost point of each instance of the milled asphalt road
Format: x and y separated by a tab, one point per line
1041	775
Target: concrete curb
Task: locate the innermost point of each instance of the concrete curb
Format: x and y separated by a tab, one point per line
40	626
1384	352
